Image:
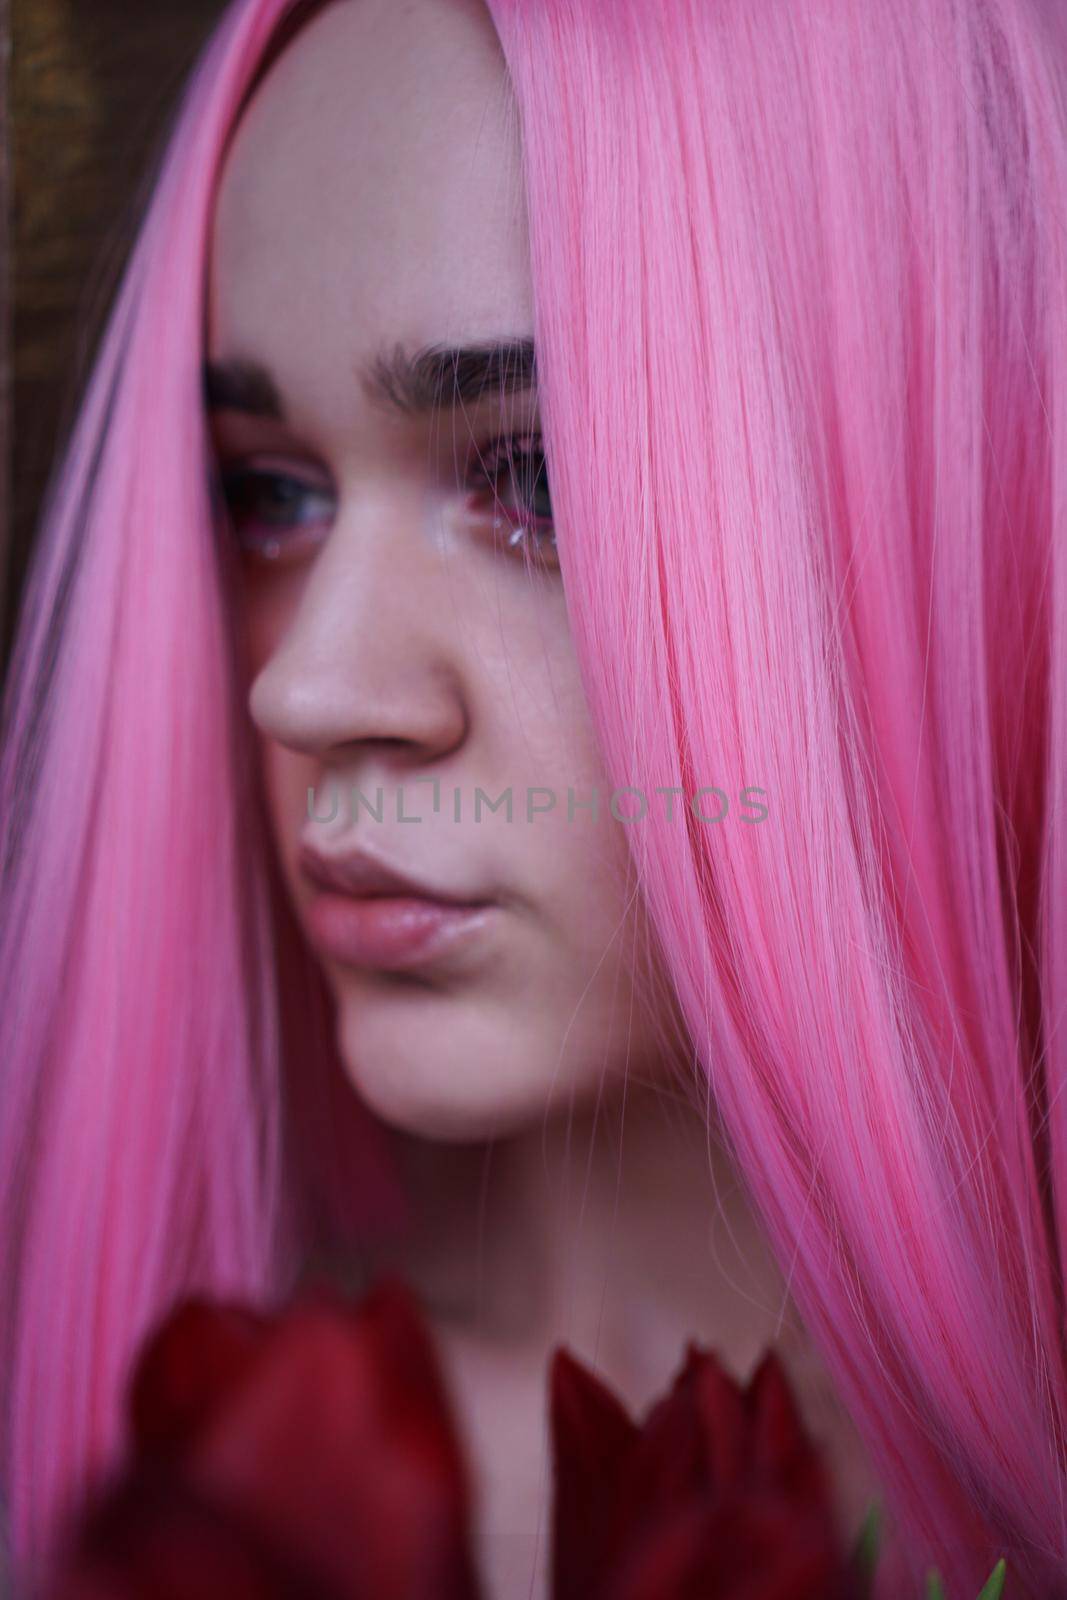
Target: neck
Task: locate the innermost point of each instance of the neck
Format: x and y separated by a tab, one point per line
619	1231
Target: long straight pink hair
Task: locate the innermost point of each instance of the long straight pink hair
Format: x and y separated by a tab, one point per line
801	316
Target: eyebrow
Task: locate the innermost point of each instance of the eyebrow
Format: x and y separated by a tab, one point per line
411	383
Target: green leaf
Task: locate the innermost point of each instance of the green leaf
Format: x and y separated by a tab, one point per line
935	1589
994	1584
864	1557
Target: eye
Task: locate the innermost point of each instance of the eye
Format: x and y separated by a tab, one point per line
512	473
273	513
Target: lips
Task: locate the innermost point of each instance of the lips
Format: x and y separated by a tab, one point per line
361	875
369	915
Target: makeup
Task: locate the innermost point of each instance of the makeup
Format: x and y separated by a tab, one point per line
392	933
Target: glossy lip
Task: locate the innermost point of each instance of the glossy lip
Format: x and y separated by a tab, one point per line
361	875
369	915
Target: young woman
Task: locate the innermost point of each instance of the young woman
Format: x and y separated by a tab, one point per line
537	746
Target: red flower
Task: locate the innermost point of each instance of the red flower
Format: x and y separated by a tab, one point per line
309	1454
719	1495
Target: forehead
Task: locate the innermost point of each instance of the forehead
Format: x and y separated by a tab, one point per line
372	194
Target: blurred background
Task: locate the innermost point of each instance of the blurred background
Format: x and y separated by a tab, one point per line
87	89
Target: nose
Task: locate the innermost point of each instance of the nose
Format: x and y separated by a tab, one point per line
368	655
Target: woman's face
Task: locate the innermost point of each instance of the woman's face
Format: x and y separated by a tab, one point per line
403	617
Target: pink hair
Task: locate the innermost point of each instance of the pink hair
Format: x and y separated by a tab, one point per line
801	317
151	988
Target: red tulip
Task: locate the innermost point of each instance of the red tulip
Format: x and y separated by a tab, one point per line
718	1495
309	1454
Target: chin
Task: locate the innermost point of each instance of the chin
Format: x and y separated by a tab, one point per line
438	1068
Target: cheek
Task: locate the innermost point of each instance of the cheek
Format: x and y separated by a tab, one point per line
265	603
287	777
601	955
603	950
609	966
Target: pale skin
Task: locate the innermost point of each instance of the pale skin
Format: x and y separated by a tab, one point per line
562	1155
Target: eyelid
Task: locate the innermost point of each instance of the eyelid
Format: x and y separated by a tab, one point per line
532	536
502	446
488	458
272	462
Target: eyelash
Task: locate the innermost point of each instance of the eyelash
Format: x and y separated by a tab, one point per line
515	453
521	455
